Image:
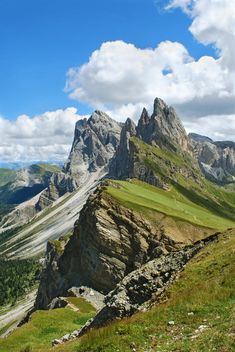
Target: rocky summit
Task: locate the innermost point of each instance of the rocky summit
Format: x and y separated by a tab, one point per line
162	128
94	144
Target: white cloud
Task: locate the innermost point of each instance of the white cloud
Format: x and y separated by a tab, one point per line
217	127
45	137
119	76
119	73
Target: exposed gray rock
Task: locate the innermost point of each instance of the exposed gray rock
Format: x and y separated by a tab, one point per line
163	128
217	159
122	165
50	283
142	286
59	184
95	141
94	297
199	138
58	302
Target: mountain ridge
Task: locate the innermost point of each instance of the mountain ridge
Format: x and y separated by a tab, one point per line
154	203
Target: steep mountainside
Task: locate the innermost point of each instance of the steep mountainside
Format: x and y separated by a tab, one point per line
23	185
125	224
196	313
162	130
95	141
217	159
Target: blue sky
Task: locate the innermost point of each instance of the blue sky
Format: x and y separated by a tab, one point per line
61	59
41	39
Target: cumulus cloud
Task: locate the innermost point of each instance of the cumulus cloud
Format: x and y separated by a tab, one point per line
121	74
217	127
44	137
121	78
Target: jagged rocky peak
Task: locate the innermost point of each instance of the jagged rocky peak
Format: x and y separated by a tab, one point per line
94	144
95	141
144	118
217	159
129	127
128	130
120	166
107	129
163	128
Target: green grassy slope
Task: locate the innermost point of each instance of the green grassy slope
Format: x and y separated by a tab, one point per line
182	174
6	175
145	199
204	295
46	326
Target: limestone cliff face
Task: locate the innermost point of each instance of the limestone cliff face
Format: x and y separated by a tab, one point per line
163	128
122	165
95	141
142	287
217	159
109	241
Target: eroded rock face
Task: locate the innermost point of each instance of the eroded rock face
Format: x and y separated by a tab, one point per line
95	141
217	159
122	164
141	287
109	241
59	184
52	283
94	144
163	128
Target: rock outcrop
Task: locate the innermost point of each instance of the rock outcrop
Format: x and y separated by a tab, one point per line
95	141
122	165
139	289
109	241
94	144
217	159
163	129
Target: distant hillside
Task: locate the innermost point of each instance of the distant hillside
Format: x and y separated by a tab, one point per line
18	186
6	175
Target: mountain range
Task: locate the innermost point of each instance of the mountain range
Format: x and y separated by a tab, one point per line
132	205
